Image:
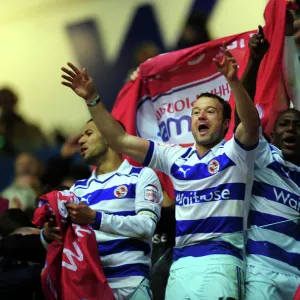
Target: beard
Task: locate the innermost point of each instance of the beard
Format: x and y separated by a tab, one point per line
211	139
96	156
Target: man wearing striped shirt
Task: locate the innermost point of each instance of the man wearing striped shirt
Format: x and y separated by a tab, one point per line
273	251
209	180
123	204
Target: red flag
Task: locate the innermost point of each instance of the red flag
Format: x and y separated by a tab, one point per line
271	97
297	295
73	270
158	104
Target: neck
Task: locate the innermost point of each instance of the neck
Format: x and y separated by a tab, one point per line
293	159
203	149
109	162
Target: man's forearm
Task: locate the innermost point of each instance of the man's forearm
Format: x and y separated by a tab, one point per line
249	77
115	135
139	226
291	70
244	106
248	80
108	126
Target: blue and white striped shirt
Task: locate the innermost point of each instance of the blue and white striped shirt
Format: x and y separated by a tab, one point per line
210	196
275	199
129	200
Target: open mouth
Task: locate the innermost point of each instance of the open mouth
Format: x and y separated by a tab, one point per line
290	141
203	128
83	150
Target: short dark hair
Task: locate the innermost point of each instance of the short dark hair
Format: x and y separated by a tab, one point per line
122	125
283	113
226	106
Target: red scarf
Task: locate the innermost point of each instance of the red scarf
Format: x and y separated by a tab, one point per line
161	98
73	270
297	295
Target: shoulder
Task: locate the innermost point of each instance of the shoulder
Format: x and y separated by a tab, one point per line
147	173
82	183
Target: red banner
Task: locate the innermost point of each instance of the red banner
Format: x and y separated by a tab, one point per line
158	104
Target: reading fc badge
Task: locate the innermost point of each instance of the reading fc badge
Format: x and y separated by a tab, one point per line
121	191
213	166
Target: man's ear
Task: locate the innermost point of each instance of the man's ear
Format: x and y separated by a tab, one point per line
226	124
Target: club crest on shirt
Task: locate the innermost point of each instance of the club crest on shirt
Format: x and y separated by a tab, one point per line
213	166
151	193
121	191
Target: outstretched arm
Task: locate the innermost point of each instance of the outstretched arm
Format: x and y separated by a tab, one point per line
247	131
258	46
112	131
291	64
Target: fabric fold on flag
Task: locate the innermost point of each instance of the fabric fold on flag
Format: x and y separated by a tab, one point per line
72	270
297	295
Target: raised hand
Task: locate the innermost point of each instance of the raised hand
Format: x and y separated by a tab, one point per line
228	65
79	82
258	44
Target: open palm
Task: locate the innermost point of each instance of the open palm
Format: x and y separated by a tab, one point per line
79	82
228	66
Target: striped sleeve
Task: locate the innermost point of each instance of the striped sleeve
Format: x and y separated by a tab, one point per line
161	156
241	156
149	194
148	202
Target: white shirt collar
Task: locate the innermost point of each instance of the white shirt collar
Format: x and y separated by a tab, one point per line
213	149
124	168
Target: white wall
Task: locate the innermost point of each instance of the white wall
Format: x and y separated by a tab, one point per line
34	45
234	16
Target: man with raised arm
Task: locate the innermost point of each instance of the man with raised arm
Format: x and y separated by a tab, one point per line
209	179
273	252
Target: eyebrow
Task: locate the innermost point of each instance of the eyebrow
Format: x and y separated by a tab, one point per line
89	129
290	118
205	107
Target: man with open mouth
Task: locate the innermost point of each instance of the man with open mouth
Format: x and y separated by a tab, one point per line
209	179
273	252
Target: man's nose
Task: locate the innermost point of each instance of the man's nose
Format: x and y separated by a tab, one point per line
292	126
81	141
202	115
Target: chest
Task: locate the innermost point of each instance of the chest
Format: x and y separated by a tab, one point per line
284	173
279	190
205	171
101	193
